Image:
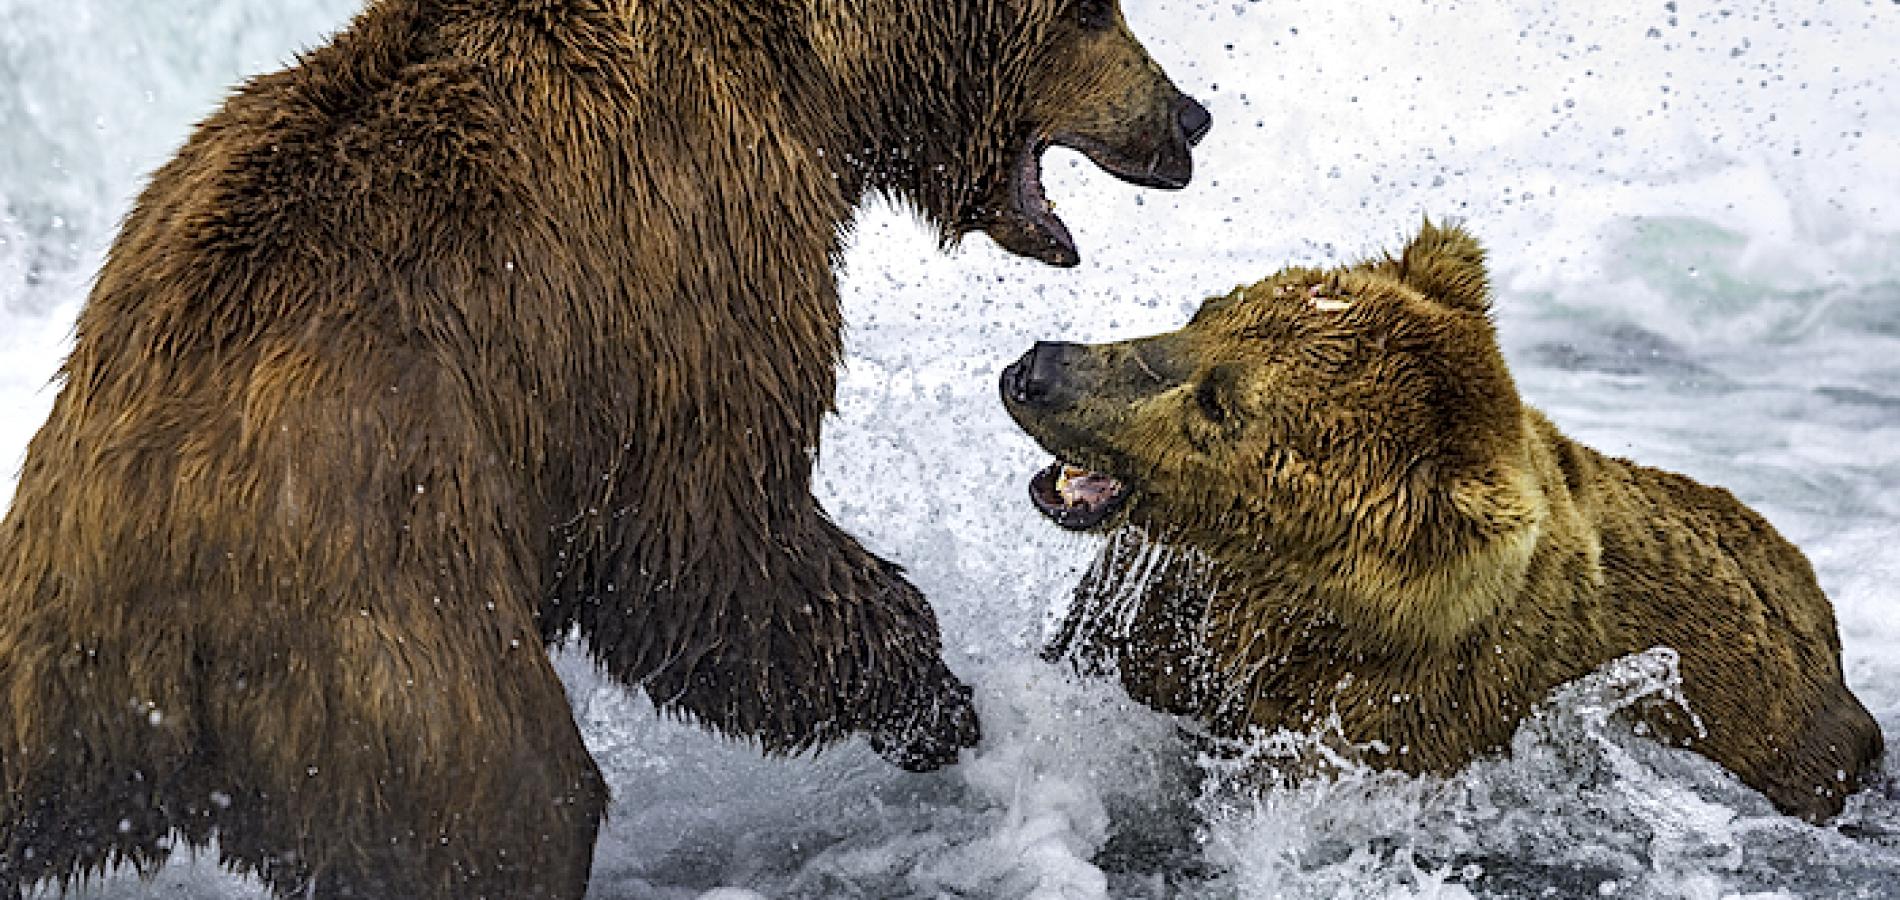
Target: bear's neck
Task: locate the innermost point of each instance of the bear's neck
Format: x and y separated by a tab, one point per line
1504	599
1377	606
1458	578
869	63
824	100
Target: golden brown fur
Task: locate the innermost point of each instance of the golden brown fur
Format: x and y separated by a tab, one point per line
489	321
1372	525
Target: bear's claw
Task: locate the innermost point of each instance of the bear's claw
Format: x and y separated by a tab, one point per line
929	733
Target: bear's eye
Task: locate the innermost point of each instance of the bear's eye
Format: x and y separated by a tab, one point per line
1208	396
1095	15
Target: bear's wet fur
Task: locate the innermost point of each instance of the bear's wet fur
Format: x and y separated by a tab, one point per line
488	322
1326	499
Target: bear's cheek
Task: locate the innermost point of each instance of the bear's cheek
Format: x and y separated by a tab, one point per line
1210	441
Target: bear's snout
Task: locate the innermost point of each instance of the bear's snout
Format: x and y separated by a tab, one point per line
1194	120
1038	378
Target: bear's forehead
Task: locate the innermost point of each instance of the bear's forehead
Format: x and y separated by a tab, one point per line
1300	300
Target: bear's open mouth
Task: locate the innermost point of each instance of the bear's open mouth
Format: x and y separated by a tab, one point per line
1027	224
1076	498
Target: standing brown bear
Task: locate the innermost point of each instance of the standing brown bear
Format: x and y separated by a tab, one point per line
490	321
1369	531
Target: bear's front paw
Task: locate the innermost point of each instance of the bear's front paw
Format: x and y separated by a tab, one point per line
927	732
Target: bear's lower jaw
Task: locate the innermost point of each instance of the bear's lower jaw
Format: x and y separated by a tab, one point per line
1076	498
1027	224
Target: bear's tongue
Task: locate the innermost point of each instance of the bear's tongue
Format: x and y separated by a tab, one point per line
1027	224
1074	497
1081	487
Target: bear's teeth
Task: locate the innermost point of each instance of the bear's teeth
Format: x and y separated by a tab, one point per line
1066	484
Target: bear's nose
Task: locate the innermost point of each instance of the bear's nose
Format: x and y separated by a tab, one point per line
1033	379
1195	120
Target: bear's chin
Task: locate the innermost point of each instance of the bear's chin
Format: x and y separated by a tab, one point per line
1076	498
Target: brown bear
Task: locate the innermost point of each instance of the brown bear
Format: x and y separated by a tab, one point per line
489	322
1328	500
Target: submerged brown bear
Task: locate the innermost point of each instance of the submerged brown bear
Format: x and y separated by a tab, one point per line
1381	530
488	322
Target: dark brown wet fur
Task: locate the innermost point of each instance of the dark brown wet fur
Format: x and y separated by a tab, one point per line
1342	508
484	323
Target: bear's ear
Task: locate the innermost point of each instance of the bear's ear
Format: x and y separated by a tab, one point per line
1447	265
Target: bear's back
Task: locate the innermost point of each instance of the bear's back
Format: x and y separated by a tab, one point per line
1689	566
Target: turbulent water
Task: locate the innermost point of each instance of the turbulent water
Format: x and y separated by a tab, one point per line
1693	212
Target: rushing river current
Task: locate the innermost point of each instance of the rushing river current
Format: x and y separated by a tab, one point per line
1693	217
